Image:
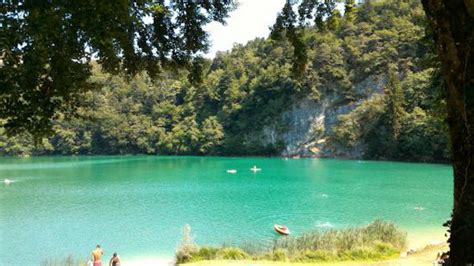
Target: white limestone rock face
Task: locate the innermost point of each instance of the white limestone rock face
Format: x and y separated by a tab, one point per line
308	124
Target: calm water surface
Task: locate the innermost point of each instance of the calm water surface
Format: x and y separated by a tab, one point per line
137	205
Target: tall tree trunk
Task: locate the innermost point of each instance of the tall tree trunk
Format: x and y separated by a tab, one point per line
452	22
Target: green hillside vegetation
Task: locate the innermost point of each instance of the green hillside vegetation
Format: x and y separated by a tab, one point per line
248	88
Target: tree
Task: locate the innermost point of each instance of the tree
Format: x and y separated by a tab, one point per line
349	9
286	24
212	134
394	104
334	21
46	48
246	92
452	23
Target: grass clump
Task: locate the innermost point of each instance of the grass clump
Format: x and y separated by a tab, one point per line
232	253
314	255
187	249
206	253
379	236
190	252
279	255
376	241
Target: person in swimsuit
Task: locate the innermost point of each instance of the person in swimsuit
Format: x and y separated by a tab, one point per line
115	260
96	255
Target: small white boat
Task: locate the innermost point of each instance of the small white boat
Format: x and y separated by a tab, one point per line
255	169
231	171
7	181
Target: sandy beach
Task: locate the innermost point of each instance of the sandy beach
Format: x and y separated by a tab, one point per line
149	261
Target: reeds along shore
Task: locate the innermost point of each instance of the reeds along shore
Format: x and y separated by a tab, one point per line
376	241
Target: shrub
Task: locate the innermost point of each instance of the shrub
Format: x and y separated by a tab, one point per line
316	255
185	250
386	249
377	252
232	254
345	239
205	253
379	231
279	255
358	254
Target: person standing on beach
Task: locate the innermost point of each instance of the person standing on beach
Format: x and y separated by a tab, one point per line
115	260
96	255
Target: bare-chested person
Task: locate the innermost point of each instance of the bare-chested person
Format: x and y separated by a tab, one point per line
96	255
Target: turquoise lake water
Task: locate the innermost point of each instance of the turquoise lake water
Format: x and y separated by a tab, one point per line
137	205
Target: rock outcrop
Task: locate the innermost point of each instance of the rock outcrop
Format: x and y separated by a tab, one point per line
308	124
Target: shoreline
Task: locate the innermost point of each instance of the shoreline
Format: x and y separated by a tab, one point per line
280	156
421	246
422	239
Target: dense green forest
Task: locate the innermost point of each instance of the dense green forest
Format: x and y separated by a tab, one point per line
376	63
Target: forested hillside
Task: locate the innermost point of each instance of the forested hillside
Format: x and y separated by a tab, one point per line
371	89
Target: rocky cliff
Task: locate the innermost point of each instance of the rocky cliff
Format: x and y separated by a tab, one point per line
308	124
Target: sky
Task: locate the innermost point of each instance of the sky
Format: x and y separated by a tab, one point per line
250	20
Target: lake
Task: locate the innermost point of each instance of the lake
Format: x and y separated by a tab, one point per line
138	205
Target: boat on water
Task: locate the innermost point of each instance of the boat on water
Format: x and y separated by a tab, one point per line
231	171
255	169
281	229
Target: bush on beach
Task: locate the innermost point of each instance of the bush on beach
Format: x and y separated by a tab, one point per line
376	241
187	249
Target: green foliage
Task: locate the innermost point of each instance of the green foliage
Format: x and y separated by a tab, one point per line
187	248
286	27
377	64
205	253
279	255
315	255
378	240
47	47
22	145
231	254
349	9
212	134
359	124
380	251
345	239
394	104
423	137
389	127
334	21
